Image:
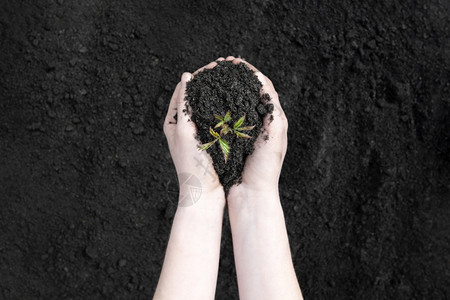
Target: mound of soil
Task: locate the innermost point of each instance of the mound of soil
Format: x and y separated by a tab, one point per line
228	87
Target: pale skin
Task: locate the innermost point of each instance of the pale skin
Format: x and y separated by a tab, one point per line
261	248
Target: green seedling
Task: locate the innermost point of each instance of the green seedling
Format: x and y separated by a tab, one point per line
223	144
225	129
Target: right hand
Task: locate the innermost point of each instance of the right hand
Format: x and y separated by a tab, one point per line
263	167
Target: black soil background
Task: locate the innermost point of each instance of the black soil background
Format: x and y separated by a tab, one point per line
88	189
233	88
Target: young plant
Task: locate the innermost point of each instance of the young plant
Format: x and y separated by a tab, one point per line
226	128
223	144
237	128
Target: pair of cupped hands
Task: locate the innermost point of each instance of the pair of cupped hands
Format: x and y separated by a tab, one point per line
262	168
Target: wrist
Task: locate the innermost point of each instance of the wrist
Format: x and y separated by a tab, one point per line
244	190
198	198
243	198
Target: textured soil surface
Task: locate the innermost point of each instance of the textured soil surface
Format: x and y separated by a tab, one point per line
87	183
228	88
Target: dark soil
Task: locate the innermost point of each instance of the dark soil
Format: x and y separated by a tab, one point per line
228	87
87	185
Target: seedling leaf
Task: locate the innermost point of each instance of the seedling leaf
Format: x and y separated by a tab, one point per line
219	124
242	135
225	148
207	145
245	128
227	117
218	117
239	122
213	133
225	130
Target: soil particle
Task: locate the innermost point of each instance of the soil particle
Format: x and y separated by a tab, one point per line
122	263
91	252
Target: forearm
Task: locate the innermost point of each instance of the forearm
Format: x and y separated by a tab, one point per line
261	248
192	256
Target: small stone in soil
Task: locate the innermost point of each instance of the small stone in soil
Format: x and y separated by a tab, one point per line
122	263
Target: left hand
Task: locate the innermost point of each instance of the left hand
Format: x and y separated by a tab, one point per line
199	183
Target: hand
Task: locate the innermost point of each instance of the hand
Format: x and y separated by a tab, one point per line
263	167
194	167
192	256
260	242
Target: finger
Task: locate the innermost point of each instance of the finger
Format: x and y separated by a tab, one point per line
230	58
273	137
249	65
269	82
268	88
208	66
264	78
183	114
253	68
172	110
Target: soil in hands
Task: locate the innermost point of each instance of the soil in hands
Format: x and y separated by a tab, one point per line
228	87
